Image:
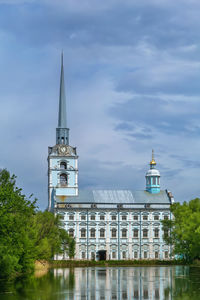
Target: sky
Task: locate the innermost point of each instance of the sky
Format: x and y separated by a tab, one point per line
132	76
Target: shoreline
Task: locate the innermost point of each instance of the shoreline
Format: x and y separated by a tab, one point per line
113	263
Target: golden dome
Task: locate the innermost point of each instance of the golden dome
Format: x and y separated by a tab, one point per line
152	162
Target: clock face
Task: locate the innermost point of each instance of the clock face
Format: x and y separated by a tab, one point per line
63	149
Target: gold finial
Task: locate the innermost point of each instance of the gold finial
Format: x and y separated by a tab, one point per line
152	162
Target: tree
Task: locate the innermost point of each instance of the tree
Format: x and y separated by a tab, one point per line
184	229
51	238
15	227
27	234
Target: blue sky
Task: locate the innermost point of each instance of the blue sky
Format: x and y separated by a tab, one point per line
132	74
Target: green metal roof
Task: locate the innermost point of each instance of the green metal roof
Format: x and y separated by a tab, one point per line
119	197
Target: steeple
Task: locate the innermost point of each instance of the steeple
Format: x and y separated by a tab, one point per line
62	132
153	177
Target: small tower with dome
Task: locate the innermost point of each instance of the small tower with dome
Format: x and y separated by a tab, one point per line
153	177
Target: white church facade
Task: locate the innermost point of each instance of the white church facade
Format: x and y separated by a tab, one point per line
106	224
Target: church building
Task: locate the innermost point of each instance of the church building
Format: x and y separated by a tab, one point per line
106	224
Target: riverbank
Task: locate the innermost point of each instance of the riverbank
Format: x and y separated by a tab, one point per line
112	263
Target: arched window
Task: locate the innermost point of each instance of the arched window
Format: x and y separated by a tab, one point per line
63	179
114	232
92	233
71	232
145	233
83	232
63	165
124	232
102	232
156	232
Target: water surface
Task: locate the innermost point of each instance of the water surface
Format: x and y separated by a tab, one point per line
173	282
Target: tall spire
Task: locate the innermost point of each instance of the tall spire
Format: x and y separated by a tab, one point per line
62	119
62	132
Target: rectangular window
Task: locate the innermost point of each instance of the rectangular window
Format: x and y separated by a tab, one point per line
145	254
156	233
124	232
157	294
92	233
145	218
83	233
154	180
83	255
156	254
146	294
114	255
123	254
92	217
156	218
124	296
83	218
136	294
102	218
135	218
166	218
124	218
114	218
166	254
114	233
145	233
71	232
102	233
92	255
135	254
71	218
135	233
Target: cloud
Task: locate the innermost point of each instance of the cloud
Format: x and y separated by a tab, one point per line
132	72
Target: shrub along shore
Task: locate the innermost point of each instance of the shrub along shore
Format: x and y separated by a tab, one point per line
112	263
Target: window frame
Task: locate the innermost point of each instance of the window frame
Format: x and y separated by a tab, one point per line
124	233
92	232
102	230
83	230
134	231
113	230
145	233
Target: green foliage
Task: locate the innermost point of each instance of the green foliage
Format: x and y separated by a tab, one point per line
184	229
51	238
25	233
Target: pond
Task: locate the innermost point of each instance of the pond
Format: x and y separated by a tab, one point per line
173	282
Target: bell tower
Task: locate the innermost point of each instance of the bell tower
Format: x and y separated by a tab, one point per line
62	158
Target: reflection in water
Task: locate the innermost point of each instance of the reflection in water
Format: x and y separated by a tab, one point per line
177	282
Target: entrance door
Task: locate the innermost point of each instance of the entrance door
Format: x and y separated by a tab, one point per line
102	254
